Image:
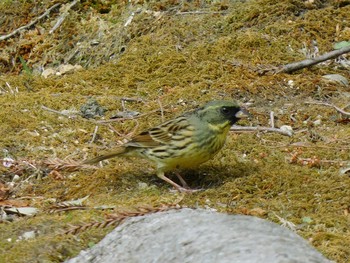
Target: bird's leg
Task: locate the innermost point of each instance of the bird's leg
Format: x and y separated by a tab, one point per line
183	182
161	175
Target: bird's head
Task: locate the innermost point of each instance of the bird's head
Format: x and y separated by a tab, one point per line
221	112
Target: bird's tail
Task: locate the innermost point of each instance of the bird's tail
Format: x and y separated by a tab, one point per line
120	150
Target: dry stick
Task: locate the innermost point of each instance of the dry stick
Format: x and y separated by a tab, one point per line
94	135
201	13
125	119
129	20
272	119
161	109
56	111
69	116
99	97
129	99
237	128
289	68
11	89
233	128
329	105
123	106
97	122
115	131
47	12
63	16
320	161
125	136
70	208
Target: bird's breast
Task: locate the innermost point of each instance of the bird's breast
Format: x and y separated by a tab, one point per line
188	148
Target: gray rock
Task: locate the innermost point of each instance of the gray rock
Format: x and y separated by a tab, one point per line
188	235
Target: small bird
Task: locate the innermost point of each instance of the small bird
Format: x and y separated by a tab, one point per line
184	142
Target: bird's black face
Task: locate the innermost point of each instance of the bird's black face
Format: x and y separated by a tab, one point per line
230	113
221	113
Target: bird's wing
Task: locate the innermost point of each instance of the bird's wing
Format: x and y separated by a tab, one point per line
160	135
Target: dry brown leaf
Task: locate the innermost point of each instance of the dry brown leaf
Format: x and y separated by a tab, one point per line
4	191
14	203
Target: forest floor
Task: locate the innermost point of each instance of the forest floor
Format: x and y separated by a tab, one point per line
147	61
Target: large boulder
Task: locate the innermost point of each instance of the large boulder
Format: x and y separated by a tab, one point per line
188	235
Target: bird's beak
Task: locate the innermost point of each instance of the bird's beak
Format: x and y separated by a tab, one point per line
243	113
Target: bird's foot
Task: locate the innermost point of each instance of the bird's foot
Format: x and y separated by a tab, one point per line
186	190
183	182
179	188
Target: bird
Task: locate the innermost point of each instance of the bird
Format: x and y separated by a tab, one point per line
184	142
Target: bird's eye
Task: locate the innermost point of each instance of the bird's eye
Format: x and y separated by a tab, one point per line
225	110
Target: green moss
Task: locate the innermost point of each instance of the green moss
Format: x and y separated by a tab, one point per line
182	61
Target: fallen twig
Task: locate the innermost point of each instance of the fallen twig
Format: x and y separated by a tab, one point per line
329	105
33	22
103	97
124	119
316	162
125	136
58	112
282	131
57	209
12	91
289	68
201	13
63	16
94	134
130	18
272	119
129	99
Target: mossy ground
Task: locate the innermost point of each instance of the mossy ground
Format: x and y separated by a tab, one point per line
180	60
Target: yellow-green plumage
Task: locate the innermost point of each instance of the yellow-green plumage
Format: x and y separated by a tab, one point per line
184	142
